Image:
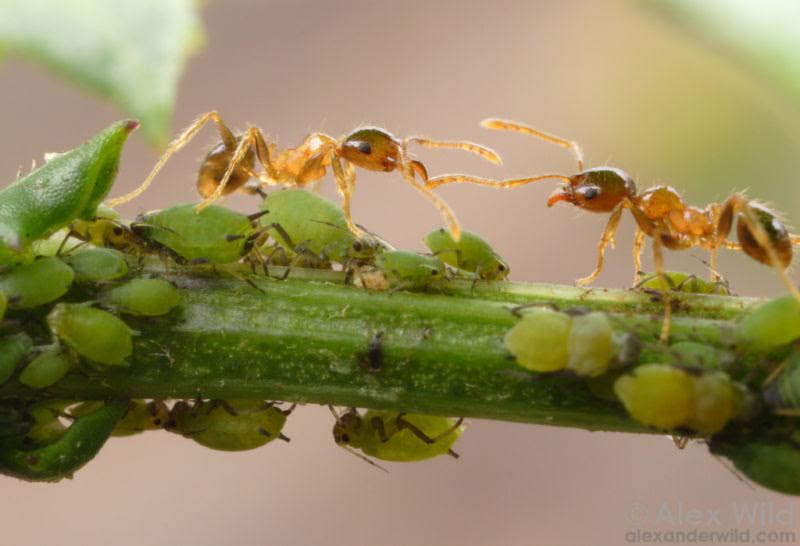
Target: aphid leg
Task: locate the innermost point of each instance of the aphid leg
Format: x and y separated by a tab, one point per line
681	441
449	217
402	424
505	125
345	187
658	261
244	145
377	422
638	245
605	240
182	140
437	181
486	153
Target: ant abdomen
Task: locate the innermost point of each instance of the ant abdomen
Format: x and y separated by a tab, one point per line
216	163
774	229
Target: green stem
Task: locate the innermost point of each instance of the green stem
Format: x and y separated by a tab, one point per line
306	340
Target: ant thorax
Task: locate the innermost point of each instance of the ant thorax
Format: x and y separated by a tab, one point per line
665	204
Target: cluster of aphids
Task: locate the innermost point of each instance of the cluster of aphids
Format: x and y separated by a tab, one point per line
53	252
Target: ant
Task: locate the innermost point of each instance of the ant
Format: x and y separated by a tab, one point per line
660	213
229	165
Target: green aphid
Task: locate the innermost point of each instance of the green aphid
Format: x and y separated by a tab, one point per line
61	458
140	416
143	297
397	437
782	394
12	350
215	235
70	186
409	270
47	425
47	368
303	222
234	425
92	333
471	254
692	354
97	265
36	283
15	423
774	464
684	282
770	325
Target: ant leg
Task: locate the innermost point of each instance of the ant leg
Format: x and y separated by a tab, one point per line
658	260
713	274
241	150
608	237
505	125
346	186
497	184
638	245
182	140
486	153
449	217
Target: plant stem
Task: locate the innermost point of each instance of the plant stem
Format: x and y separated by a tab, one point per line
306	340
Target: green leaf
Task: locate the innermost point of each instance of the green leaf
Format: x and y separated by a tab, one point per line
130	51
761	35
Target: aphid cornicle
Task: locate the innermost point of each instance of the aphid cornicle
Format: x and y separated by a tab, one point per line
397	437
660	213
229	165
472	254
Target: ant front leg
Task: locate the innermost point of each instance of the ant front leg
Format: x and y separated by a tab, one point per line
638	245
605	240
345	183
182	140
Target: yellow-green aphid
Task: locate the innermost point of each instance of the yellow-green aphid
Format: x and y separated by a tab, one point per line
305	222
233	425
47	368
96	230
397	436
539	340
140	416
783	394
36	283
471	254
47	425
714	402
770	325
93	333
657	395
215	235
97	265
409	270
684	282
774	464
693	354
69	186
143	297
12	350
590	346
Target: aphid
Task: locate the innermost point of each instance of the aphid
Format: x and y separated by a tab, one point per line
47	368
229	165
471	253
12	350
409	270
307	224
683	282
544	340
215	235
774	464
397	436
3	305
667	397
69	186
143	297
782	394
47	426
93	333
771	324
141	415
37	283
234	425
61	458
97	265
660	213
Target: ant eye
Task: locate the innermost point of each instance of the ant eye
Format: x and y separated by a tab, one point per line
590	193
364	148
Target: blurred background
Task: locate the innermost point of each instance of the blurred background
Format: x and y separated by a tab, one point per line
633	87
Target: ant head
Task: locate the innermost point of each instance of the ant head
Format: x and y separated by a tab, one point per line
347	430
371	148
597	190
776	233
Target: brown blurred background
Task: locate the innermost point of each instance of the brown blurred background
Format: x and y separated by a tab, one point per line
634	90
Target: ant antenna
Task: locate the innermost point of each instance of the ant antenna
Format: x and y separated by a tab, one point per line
505	125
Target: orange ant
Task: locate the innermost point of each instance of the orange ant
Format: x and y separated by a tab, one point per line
231	164
660	213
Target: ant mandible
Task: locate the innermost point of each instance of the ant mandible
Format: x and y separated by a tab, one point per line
231	164
660	213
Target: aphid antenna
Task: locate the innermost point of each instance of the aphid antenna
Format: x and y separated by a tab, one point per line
364	458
